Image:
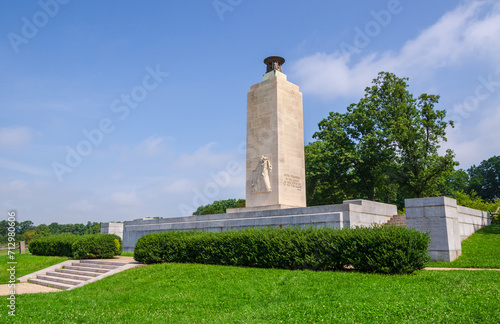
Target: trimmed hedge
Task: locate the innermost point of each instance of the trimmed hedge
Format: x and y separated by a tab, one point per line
378	249
97	246
78	247
53	245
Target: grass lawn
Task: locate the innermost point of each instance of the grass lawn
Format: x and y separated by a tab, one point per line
480	250
193	293
26	264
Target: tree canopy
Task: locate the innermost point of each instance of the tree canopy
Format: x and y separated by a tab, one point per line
219	206
485	178
385	147
26	230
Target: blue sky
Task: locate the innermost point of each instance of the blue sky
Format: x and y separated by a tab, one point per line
116	110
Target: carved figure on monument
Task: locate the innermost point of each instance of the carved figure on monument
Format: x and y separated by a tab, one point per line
261	176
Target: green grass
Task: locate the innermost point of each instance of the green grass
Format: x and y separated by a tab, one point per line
480	250
193	293
26	264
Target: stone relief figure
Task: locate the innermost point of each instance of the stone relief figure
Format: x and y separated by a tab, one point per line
261	176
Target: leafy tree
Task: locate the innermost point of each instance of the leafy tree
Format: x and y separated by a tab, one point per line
29	235
454	181
92	228
54	228
67	228
42	230
79	229
327	182
25	226
4	227
219	207
385	144
485	178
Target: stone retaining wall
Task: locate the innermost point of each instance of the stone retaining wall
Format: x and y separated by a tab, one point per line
447	223
350	213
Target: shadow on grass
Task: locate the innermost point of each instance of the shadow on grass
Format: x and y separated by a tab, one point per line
492	229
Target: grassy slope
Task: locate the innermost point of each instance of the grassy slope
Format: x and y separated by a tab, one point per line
480	250
180	293
192	293
26	264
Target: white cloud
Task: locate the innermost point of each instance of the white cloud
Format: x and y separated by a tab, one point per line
473	143
14	186
24	168
206	159
470	32
15	136
123	199
151	146
179	187
81	206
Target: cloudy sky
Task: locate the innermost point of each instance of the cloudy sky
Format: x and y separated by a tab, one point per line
115	110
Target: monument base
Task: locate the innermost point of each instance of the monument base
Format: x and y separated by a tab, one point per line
260	208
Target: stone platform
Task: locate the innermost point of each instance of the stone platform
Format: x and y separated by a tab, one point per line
350	213
447	223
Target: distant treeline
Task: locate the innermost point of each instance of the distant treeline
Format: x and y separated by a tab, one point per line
27	231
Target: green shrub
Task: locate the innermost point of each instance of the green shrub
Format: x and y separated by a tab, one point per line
472	200
53	245
78	247
97	246
387	249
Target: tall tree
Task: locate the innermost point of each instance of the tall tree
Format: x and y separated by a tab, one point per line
219	206
386	142
54	228
485	178
42	230
25	226
455	181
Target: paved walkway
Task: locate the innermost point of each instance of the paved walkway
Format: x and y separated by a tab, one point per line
26	288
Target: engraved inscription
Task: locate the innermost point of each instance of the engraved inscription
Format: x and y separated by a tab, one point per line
292	181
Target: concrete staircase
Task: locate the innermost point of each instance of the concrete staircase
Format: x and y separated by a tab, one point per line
398	220
73	274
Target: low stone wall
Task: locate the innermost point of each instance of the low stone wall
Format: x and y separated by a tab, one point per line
350	213
470	220
447	223
112	228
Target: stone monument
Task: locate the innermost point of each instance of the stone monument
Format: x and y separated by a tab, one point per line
275	185
275	167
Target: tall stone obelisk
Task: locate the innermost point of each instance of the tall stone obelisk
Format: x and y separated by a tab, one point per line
275	167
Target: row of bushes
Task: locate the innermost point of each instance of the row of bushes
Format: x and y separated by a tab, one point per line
94	246
380	249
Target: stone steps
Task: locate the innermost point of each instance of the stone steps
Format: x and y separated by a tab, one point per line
89	269
69	276
51	284
398	220
112	263
72	274
71	282
77	272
